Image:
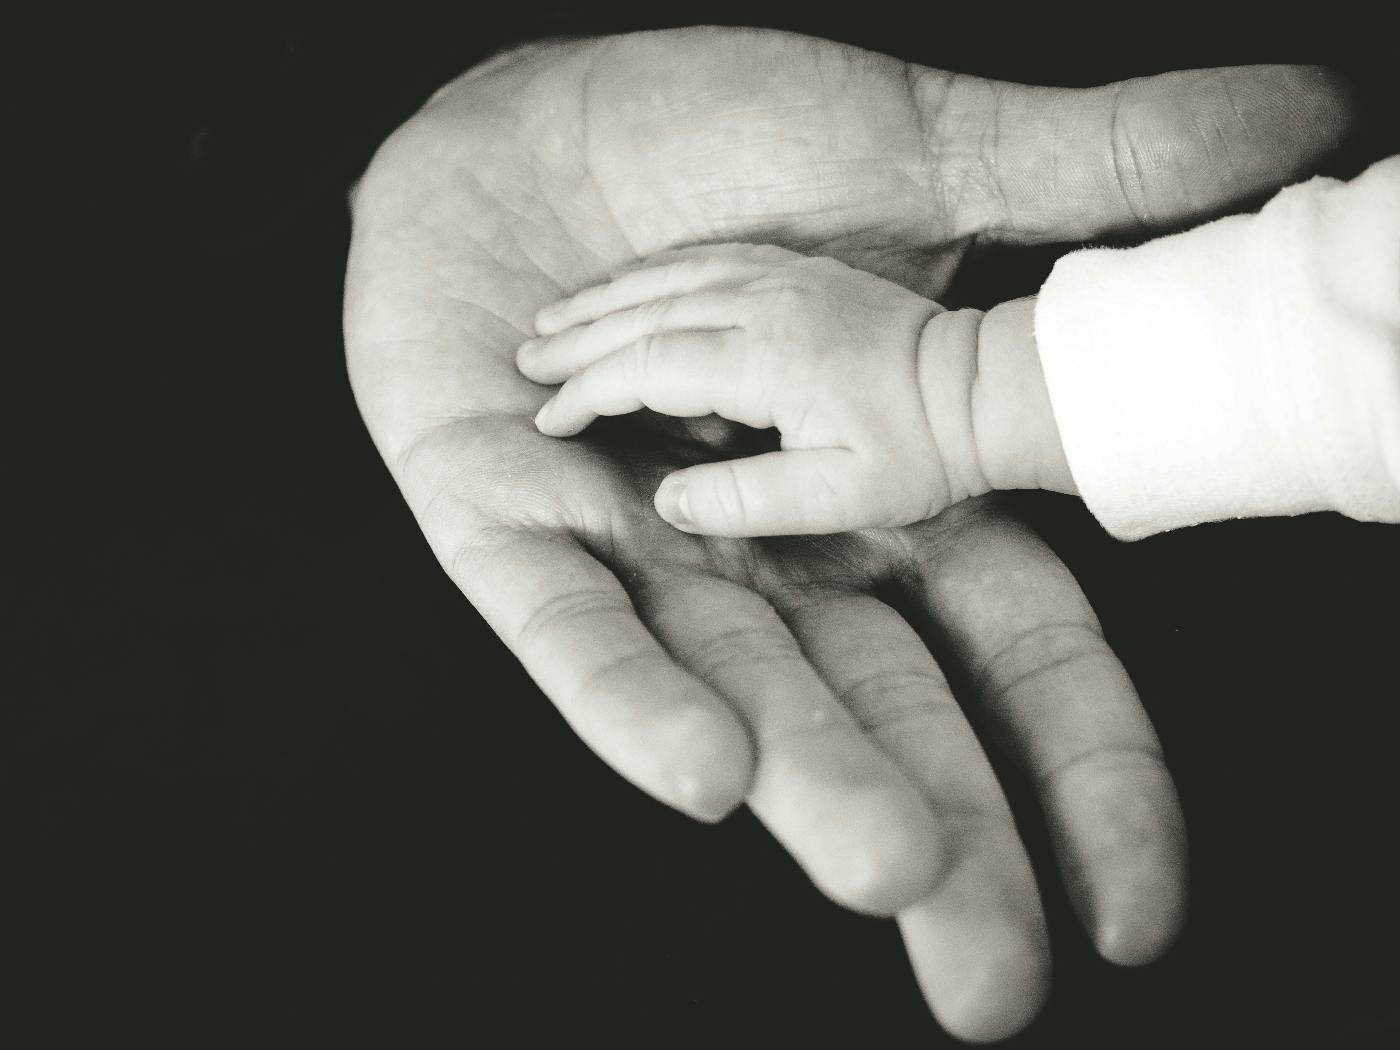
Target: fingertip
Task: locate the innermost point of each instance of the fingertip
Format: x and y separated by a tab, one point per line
538	361
527	359
547	420
864	834
549	318
1145	925
678	742
712	796
985	976
1138	924
1319	100
1126	942
714	771
1123	851
672	502
699	500
999	1000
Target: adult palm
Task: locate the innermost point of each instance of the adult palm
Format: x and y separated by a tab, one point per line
778	671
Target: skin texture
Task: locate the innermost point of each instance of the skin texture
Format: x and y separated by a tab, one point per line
825	353
711	672
888	409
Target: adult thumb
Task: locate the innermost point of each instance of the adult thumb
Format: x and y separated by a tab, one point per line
1032	164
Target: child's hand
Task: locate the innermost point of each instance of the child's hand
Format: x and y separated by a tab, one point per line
874	431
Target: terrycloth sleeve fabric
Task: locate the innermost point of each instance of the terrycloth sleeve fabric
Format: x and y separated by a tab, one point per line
1248	367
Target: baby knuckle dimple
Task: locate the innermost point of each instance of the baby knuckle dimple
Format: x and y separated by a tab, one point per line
790	296
638	361
781	310
651	315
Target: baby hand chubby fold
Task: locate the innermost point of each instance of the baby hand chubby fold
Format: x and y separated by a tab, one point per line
875	391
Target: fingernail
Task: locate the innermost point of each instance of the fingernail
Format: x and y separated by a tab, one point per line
528	347
673	502
542	416
547	318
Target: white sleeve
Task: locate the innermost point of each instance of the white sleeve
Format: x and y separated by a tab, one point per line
1247	367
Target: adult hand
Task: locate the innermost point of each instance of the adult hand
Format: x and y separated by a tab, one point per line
713	671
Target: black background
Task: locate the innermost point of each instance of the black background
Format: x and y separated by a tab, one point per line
266	779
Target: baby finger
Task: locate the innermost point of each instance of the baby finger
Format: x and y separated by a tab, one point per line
677	374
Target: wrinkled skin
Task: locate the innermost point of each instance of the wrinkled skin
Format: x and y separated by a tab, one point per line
710	672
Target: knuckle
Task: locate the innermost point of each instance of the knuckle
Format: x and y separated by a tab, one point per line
650	316
890	700
747	646
1030	656
639	360
1101	764
1127	169
583	603
597	682
727	496
486	541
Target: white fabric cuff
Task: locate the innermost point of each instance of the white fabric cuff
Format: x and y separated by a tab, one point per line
1247	367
